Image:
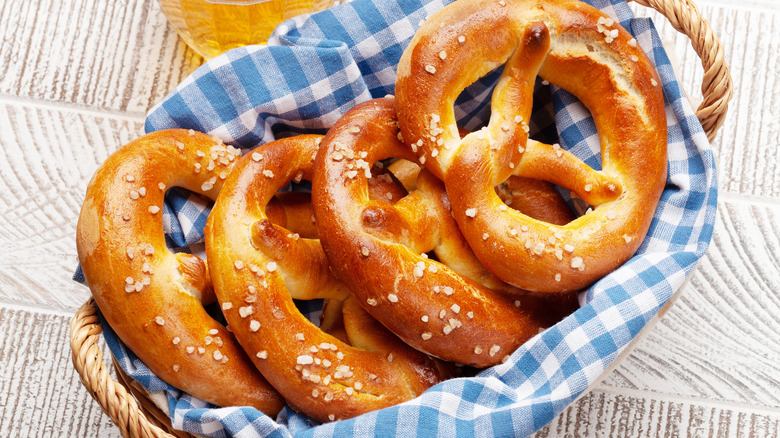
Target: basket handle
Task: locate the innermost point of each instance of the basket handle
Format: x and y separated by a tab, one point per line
113	397
716	87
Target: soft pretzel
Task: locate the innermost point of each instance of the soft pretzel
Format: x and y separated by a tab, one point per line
537	199
534	198
578	48
379	249
263	266
292	210
152	298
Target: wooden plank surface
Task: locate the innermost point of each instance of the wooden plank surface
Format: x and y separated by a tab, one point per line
716	352
746	145
720	341
40	392
121	56
69	95
49	154
627	413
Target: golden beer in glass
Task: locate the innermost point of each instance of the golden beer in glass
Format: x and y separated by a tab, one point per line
212	27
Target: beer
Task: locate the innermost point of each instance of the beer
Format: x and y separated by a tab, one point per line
212	27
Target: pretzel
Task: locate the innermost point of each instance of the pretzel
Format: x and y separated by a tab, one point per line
378	249
152	298
263	267
292	210
578	48
535	198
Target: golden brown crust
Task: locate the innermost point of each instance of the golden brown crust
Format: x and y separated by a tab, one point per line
377	249
150	296
375	234
536	199
263	266
569	44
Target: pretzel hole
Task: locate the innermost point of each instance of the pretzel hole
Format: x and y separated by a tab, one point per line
472	106
180	236
180	239
289	209
338	318
537	199
292	210
331	320
543	129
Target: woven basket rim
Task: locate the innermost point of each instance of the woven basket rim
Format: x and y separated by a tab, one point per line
129	406
113	397
717	87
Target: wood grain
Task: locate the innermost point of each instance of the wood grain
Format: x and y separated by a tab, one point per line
122	55
746	145
47	157
70	94
714	355
40	393
638	414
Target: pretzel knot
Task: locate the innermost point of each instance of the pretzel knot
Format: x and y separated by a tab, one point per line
152	298
568	44
263	266
380	247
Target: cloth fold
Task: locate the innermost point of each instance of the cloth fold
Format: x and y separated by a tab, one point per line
317	67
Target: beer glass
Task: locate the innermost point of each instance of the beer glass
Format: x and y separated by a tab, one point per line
212	27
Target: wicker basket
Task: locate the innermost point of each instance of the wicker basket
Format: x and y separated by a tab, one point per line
128	404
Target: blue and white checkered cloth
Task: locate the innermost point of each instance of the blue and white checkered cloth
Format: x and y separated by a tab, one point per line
311	72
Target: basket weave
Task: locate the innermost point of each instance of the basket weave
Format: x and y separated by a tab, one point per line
128	404
716	87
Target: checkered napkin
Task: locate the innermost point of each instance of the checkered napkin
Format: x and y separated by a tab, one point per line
311	72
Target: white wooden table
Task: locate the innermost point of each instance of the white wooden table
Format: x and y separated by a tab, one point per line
77	76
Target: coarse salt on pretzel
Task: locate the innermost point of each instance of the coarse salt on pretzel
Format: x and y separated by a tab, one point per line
537	199
379	249
264	266
574	46
152	298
